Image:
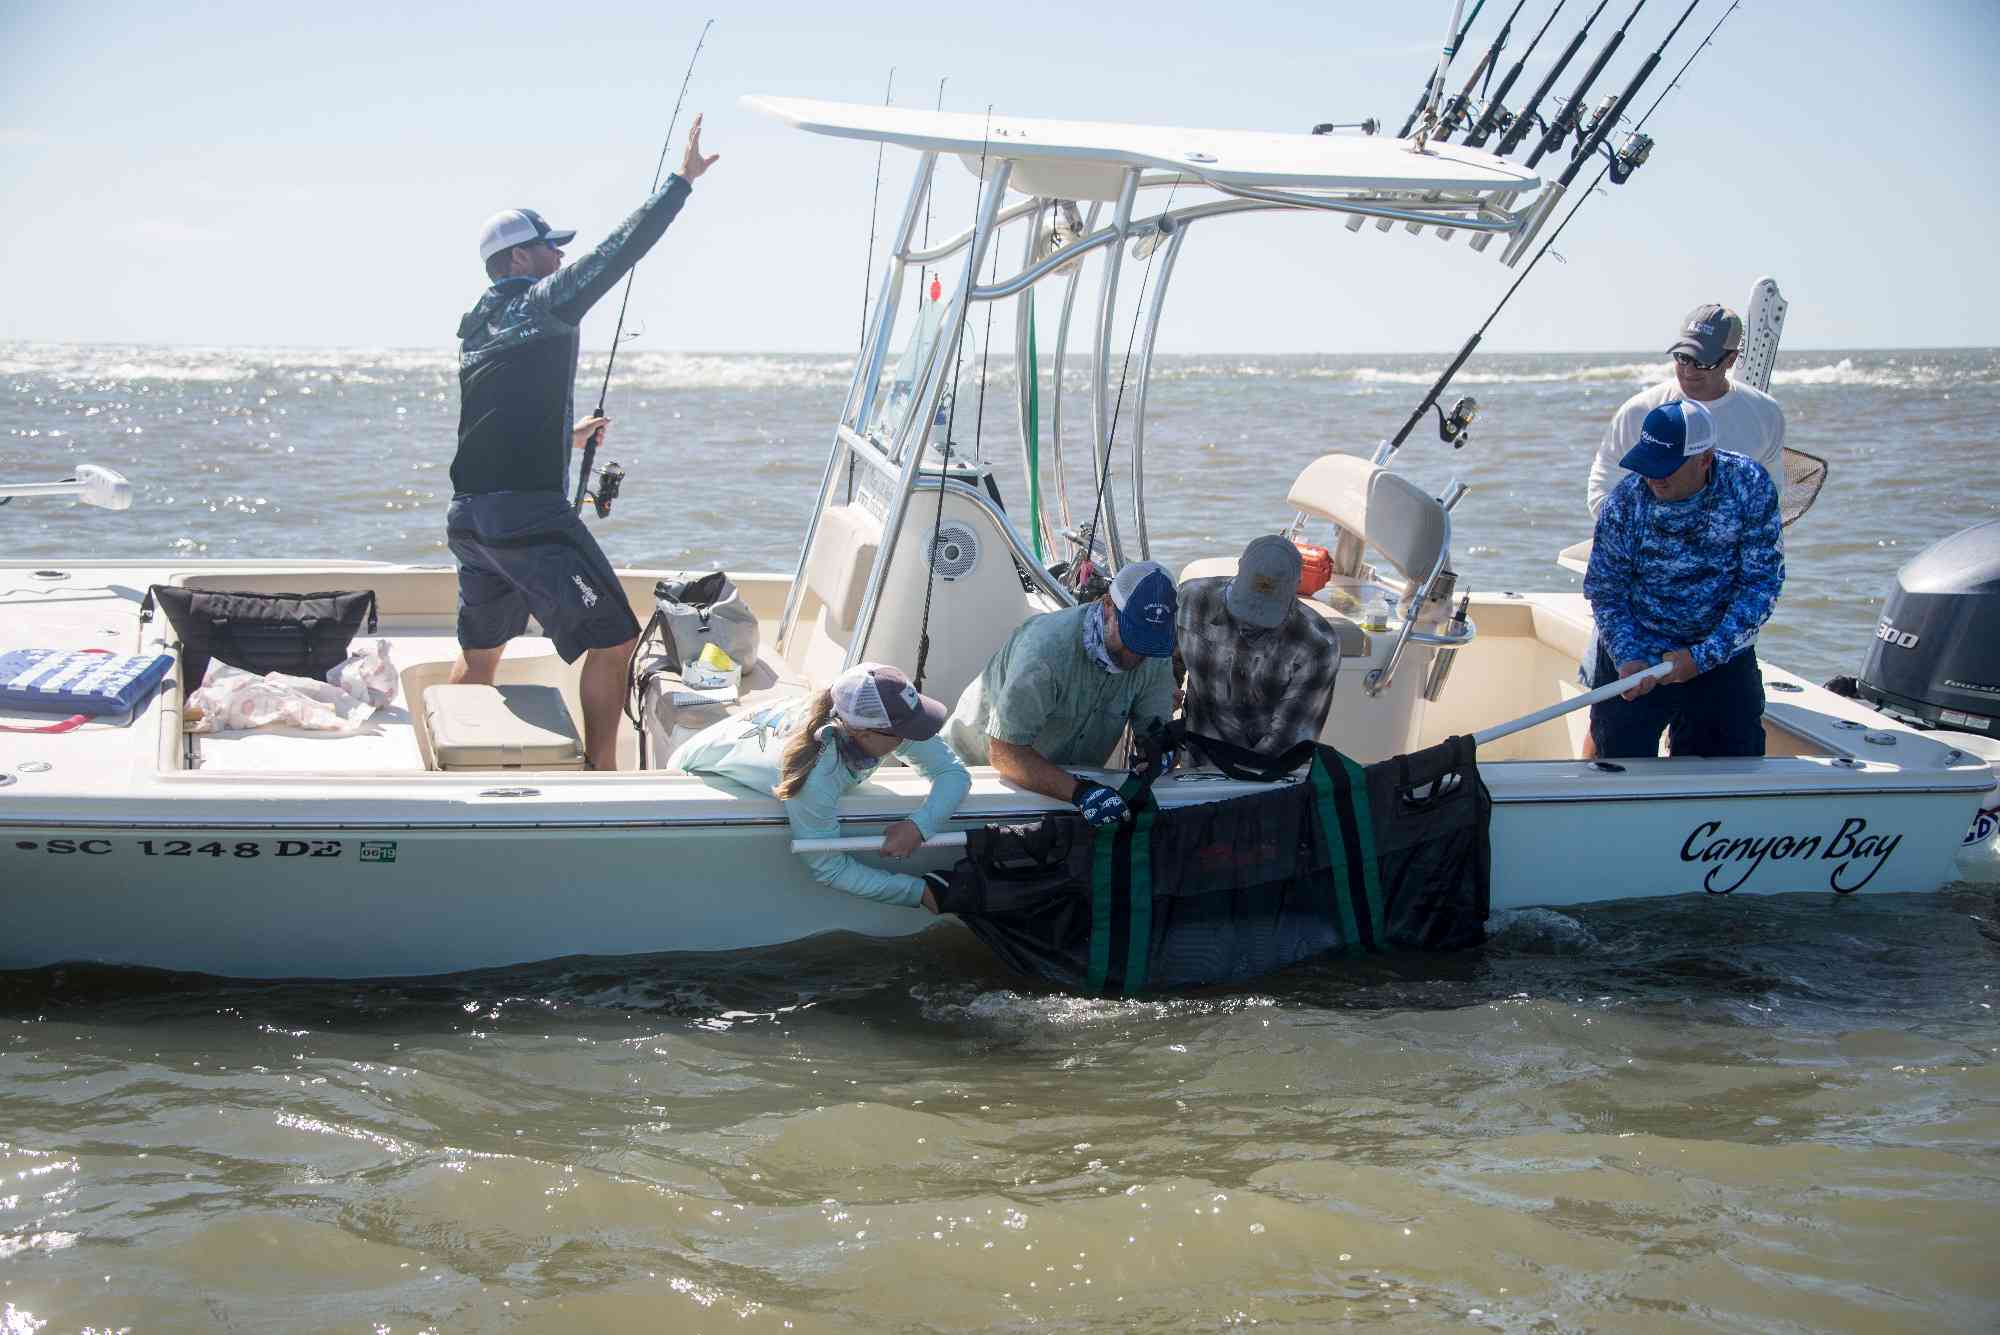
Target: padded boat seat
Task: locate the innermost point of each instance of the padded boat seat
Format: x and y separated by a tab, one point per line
667	724
501	728
1354	641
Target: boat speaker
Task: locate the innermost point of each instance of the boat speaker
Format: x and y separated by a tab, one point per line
954	552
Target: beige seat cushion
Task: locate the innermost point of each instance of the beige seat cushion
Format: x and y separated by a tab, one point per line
501	727
843	553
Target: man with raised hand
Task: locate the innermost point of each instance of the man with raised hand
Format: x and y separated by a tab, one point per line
520	547
1747	420
1685	566
1067	685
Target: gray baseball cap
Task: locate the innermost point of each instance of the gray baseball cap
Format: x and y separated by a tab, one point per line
1266	583
1708	332
879	697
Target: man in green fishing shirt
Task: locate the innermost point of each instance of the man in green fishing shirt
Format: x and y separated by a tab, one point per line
1067	685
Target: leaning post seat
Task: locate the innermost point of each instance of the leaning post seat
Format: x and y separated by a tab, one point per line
1385	510
509	727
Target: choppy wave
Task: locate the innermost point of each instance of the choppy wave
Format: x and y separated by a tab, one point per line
1845	372
665	370
1636	373
689	370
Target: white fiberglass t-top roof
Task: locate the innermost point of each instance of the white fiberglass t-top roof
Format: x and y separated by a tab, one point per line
1245	159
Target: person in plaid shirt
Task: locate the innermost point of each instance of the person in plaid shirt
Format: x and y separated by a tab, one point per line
1260	663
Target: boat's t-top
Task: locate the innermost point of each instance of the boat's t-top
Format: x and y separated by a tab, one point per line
1062	176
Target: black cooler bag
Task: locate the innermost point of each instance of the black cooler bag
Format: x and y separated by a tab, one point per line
1389	856
301	634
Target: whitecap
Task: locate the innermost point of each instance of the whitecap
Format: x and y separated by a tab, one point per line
1539	932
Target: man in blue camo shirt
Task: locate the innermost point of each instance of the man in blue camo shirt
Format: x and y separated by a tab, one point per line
520	547
1686	565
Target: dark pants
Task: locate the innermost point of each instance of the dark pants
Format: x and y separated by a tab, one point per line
526	551
1718	713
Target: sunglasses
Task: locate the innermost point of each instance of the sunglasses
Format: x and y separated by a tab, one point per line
1687	359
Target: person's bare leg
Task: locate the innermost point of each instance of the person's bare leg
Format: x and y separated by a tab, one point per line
476	667
602	686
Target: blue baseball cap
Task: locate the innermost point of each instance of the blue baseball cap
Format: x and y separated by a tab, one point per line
1144	596
1672	434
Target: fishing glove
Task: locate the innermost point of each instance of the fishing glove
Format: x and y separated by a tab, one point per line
1100	805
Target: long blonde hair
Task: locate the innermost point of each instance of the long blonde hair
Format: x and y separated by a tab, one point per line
803	747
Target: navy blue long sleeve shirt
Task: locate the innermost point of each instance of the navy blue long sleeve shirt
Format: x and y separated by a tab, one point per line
518	354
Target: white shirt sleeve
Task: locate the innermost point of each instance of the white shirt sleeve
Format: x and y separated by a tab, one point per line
1750	422
1620	435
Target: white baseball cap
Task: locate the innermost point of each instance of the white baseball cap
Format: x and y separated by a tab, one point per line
517	227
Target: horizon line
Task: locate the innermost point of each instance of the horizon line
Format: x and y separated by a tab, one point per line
446	347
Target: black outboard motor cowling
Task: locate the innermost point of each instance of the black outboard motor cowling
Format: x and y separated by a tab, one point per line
1935	661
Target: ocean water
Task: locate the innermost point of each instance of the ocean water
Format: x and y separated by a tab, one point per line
1768	1115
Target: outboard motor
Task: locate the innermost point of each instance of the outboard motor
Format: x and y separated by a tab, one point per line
1935	662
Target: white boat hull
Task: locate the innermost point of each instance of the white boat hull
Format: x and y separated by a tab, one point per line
253	863
362	901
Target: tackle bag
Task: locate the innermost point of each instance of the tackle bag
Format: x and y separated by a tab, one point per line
692	614
300	634
1389	856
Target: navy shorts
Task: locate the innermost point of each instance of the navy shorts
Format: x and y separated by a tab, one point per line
1719	712
526	551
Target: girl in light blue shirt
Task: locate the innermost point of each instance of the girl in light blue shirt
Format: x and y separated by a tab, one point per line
809	754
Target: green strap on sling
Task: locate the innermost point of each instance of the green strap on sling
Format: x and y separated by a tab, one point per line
1340	802
1103	870
1133	899
1139	941
1121	874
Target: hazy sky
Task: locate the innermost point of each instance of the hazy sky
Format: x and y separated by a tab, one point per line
259	173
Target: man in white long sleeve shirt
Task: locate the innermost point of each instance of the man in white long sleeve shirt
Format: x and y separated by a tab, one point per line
1747	421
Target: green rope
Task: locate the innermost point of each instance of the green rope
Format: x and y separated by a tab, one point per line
1034	373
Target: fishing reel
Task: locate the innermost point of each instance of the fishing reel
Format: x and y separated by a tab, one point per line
1585	130
609	479
1064	229
1149	240
1453	427
1632	156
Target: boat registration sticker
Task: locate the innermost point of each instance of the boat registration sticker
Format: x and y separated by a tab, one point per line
378	850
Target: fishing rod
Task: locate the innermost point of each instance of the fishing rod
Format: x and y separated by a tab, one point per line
1434	85
1453	116
607	489
957	335
1496	108
1565	120
868	272
1459	416
1607	119
1518	131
